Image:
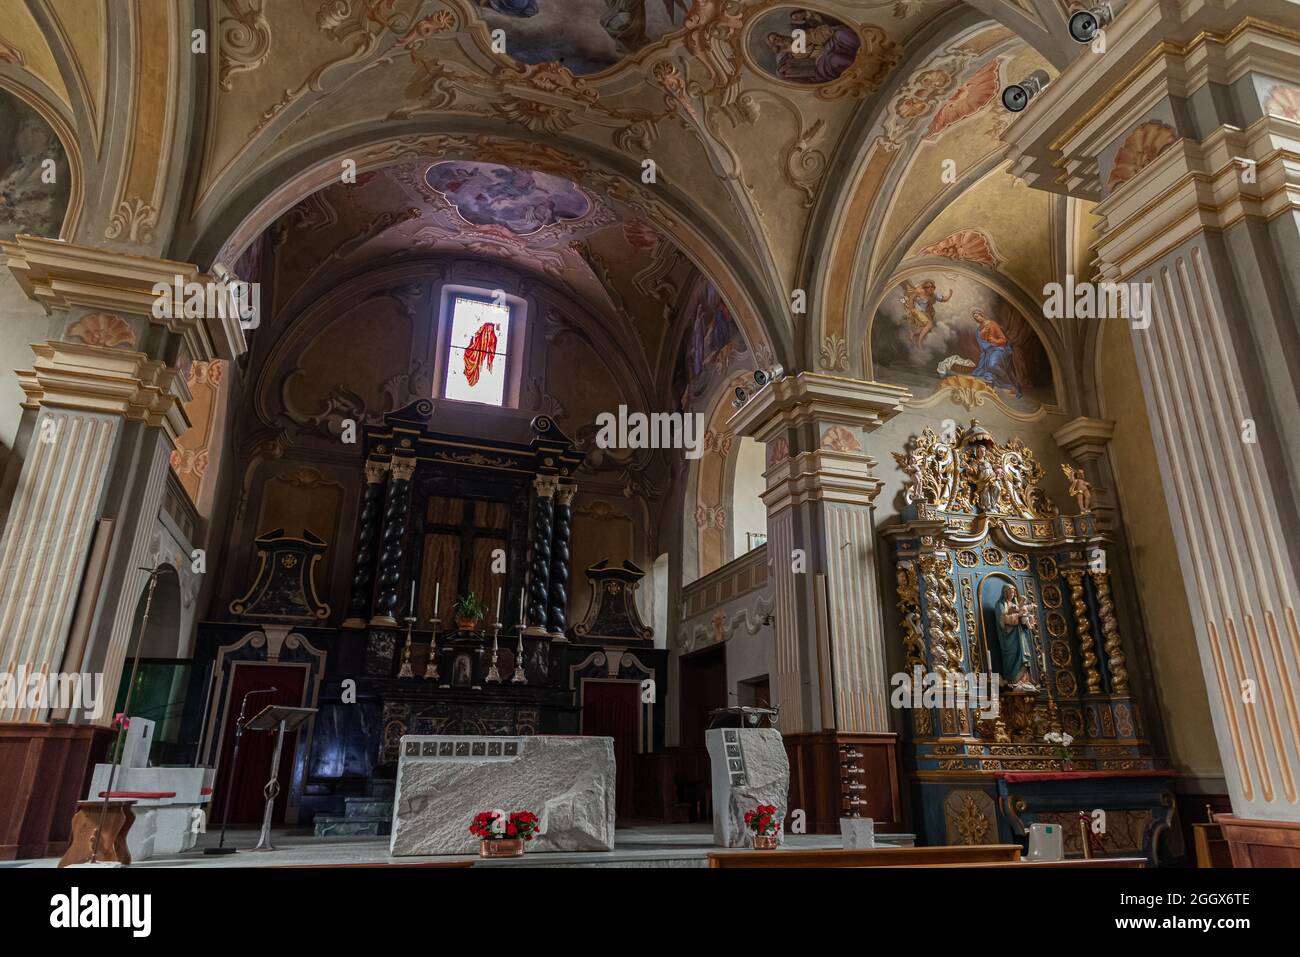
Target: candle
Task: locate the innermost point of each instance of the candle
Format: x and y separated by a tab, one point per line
988	657
437	592
412	597
498	604
523	595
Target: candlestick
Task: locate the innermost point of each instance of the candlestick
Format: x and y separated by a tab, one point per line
493	675
405	671
518	678
431	669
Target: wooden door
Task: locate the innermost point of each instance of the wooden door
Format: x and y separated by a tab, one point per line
611	709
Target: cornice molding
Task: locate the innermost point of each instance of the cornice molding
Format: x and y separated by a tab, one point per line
73	375
61	275
1152	55
796	400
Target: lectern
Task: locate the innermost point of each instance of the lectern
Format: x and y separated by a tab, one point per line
286	719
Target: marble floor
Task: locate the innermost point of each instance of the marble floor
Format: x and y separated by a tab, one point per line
651	846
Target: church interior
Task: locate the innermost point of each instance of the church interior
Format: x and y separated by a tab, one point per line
865	427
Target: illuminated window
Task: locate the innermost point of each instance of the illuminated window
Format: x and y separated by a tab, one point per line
477	351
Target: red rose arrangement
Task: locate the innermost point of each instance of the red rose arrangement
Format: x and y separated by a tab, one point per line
519	824
763	819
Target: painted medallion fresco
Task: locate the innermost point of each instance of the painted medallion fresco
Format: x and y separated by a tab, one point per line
520	200
803	46
584	36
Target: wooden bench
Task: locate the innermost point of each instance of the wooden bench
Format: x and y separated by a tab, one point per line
945	855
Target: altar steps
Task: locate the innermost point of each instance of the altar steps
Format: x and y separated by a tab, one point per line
363	815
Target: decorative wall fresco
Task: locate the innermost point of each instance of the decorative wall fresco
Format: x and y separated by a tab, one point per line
944	332
584	36
1140	149
29	202
714	345
827	48
968	99
522	201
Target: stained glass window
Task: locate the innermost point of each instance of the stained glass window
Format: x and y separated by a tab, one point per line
477	350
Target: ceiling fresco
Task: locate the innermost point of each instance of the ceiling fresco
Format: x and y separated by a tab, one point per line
603	255
804	46
522	201
583	36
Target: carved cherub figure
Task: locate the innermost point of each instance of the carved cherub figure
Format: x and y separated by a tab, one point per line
1080	488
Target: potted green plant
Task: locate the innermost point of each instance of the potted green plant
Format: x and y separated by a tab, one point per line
468	611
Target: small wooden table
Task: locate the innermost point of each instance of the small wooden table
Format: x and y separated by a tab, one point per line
117	817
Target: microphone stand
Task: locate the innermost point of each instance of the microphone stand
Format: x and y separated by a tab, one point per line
234	766
126	711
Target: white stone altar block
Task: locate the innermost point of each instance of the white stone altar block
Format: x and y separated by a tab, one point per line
858	832
443	780
749	768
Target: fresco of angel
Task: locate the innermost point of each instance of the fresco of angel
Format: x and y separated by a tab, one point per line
918	304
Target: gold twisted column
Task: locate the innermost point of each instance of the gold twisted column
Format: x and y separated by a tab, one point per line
945	647
1110	633
1087	647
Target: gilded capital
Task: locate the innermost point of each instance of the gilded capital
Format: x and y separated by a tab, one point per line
546	485
403	468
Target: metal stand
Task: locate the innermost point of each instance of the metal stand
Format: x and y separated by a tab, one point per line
272	791
518	678
431	669
493	675
233	780
405	671
285	719
126	710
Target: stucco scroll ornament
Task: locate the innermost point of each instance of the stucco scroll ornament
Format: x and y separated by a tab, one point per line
245	39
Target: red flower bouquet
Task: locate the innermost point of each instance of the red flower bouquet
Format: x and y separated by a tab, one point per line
503	835
766	825
763	820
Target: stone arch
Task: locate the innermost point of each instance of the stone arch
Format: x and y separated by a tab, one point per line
221	234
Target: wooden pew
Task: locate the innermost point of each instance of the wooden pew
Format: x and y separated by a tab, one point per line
947	855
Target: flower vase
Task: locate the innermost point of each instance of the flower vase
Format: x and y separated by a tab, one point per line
501	847
765	842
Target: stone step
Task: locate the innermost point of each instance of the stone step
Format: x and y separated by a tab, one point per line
367	807
382	788
333	825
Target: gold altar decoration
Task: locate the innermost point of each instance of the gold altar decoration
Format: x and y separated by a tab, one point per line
1087	647
974	473
1110	631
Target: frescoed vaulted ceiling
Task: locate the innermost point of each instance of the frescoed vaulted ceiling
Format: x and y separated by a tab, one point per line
694	136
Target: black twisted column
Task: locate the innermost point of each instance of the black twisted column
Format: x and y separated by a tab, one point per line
363	575
392	545
560	554
540	566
